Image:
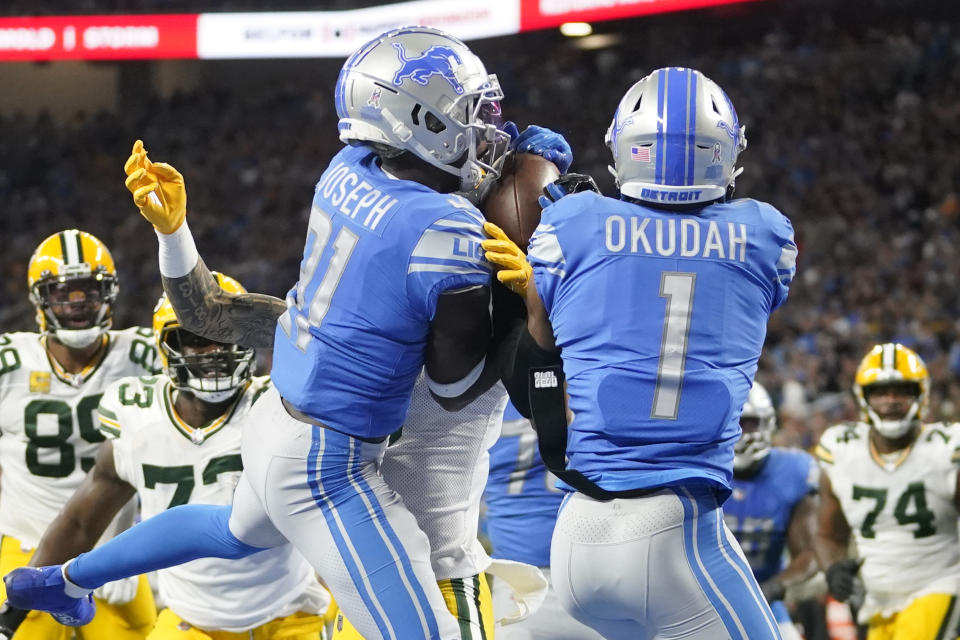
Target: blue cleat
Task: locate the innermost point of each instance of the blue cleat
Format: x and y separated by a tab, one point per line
45	589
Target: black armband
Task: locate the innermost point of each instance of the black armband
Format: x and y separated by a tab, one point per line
520	353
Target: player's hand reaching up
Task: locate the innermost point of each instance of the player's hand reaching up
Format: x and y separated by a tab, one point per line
157	188
542	142
514	270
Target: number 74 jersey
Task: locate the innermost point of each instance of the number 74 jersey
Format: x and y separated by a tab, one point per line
900	510
48	422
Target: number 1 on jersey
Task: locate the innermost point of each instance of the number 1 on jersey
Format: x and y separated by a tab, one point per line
320	230
677	287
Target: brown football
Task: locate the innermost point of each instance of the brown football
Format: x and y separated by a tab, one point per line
512	202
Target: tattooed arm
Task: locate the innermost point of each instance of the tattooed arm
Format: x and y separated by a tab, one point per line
204	308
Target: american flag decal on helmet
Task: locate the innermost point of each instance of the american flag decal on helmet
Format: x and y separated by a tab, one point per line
640	154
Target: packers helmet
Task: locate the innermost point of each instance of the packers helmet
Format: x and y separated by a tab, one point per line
892	364
213	375
73	284
754	446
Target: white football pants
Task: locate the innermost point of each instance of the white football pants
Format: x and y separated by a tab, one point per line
549	622
322	491
656	567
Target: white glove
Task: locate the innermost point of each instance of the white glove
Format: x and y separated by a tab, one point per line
527	584
118	592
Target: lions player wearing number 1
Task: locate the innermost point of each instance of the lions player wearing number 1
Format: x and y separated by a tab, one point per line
175	439
50	385
656	304
890	483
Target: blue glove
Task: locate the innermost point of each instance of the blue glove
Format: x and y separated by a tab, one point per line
542	142
45	589
565	185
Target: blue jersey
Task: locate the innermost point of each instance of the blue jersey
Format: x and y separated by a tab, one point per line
759	509
379	252
521	495
661	317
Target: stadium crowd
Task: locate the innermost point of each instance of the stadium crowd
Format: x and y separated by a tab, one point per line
851	124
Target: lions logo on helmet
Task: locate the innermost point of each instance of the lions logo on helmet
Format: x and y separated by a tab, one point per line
73	284
211	371
887	365
440	103
675	139
758	420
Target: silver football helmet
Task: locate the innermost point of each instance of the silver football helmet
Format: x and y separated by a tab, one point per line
754	444
675	139
421	90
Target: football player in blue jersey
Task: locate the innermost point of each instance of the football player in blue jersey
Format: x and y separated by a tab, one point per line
650	311
773	506
522	502
393	281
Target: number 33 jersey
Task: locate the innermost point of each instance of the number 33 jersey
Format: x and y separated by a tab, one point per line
901	512
170	464
48	423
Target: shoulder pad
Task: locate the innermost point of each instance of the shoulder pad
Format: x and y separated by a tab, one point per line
836	437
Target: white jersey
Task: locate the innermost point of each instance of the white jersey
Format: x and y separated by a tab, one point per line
48	424
439	467
169	463
901	512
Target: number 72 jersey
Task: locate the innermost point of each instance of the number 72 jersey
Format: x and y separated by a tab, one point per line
171	464
901	512
48	422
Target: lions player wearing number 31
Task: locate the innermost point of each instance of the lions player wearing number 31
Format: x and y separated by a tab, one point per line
656	304
393	282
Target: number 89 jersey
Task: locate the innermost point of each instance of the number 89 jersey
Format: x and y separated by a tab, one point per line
901	512
48	423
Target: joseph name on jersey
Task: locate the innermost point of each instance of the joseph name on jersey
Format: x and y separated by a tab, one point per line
49	424
394	247
171	464
900	510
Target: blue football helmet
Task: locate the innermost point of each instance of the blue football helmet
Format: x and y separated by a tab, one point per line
675	139
421	90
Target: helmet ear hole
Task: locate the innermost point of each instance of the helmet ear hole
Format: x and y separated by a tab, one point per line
415	114
433	123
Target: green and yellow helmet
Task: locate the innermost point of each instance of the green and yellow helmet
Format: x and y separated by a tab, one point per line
213	375
892	364
73	285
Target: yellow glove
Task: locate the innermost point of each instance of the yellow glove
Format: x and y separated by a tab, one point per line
515	272
157	189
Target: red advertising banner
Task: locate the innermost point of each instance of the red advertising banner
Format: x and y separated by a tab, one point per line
115	37
543	14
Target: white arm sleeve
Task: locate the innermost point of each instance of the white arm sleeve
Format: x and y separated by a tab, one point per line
178	252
